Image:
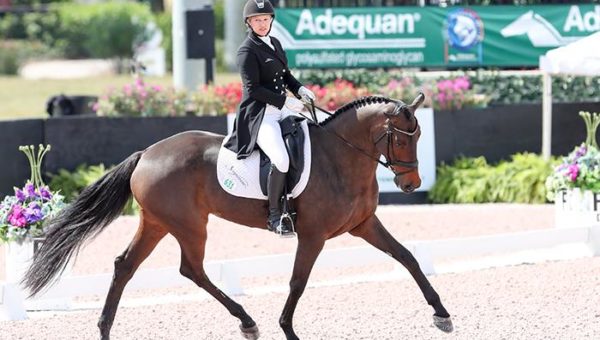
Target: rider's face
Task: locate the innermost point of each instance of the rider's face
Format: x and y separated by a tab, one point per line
260	24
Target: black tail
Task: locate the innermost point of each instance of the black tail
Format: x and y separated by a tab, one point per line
97	206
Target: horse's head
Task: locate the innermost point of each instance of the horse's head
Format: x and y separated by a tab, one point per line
398	143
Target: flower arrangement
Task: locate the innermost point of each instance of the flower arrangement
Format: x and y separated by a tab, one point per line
141	99
217	100
22	215
581	167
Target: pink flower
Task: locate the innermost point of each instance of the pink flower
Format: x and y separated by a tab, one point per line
16	217
573	172
444	84
461	83
127	89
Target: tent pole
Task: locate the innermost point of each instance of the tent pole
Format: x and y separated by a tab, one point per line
546	115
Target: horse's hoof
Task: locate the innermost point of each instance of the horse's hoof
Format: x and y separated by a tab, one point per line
444	324
250	333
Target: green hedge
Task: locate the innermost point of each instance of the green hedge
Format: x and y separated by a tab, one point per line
102	30
500	87
13	53
473	180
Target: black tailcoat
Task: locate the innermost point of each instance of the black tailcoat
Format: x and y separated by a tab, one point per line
265	78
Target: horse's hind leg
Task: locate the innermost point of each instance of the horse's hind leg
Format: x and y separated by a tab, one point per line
373	232
146	238
192	258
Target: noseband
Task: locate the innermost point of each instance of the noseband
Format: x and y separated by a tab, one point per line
390	133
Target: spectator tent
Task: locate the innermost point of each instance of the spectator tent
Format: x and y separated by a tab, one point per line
581	57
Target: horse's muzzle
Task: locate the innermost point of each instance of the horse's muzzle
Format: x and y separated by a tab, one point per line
408	182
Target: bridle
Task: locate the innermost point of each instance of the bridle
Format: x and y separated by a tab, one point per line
389	157
390	132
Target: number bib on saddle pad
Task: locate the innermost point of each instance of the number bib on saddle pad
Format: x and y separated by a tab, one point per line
240	177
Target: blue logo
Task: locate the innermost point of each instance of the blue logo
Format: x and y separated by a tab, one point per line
464	29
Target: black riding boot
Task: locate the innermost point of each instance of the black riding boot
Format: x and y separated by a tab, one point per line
275	186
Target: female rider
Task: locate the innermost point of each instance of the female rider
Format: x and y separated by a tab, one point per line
265	79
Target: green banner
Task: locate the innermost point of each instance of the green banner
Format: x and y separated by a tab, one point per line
429	36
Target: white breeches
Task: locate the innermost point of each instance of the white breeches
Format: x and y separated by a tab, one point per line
269	137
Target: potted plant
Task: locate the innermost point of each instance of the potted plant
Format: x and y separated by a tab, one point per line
22	216
574	185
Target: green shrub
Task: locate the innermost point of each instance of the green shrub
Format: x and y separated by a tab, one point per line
164	21
102	30
473	180
12	26
70	184
13	53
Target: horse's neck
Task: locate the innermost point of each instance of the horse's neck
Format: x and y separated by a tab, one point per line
355	128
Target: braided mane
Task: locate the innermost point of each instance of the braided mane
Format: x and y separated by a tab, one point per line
355	104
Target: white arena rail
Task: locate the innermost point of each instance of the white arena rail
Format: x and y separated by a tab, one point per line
230	272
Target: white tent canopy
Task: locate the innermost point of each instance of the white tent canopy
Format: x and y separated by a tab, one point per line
581	57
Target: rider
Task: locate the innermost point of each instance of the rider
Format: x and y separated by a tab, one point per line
265	78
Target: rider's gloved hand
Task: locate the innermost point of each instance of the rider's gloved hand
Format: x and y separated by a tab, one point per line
294	104
306	94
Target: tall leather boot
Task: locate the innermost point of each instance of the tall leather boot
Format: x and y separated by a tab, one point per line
275	186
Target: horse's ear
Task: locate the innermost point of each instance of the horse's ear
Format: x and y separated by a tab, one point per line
417	102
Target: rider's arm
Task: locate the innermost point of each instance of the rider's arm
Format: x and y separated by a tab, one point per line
249	70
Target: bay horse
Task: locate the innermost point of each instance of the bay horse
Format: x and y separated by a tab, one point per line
175	184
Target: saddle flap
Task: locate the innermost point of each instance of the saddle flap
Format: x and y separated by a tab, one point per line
293	137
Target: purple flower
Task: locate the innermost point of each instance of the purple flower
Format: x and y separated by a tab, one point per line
582	150
16	217
45	193
20	195
30	190
33	213
572	172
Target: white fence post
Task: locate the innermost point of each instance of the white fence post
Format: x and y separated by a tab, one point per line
423	255
594	241
12	303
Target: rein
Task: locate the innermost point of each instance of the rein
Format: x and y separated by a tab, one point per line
389	133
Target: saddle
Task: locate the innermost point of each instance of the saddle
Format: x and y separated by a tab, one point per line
247	177
293	137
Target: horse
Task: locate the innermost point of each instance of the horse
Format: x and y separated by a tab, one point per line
175	184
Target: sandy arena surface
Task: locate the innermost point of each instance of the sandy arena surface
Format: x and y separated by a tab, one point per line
550	300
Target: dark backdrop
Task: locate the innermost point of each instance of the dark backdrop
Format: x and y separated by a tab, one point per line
495	132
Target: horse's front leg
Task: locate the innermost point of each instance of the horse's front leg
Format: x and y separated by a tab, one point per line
373	232
306	255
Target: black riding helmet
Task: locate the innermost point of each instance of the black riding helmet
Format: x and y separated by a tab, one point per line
258	7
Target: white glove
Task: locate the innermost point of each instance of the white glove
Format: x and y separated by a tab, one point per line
294	104
306	94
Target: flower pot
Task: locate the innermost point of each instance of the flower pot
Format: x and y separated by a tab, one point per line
577	208
18	258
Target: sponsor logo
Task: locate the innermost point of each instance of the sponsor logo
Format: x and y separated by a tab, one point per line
541	33
464	29
357	25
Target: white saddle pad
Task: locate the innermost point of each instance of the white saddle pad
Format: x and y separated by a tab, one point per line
240	177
